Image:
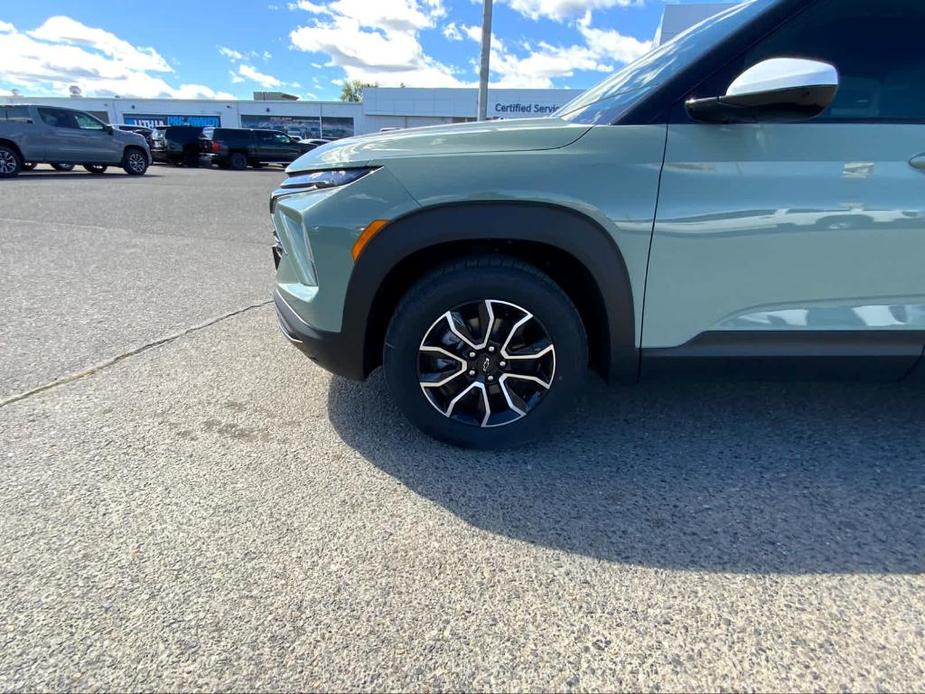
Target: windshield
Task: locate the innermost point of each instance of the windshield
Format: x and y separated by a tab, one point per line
613	97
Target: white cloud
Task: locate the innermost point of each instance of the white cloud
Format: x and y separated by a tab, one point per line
235	77
545	62
63	52
264	80
308	7
560	10
474	33
376	42
611	43
451	31
6	27
231	53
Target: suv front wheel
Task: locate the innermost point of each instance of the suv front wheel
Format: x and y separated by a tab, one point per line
134	162
10	163
485	352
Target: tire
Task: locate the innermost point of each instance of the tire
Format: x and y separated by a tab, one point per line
134	162
527	370
96	168
10	163
29	165
238	161
63	167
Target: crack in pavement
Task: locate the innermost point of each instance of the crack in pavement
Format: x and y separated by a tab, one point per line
132	352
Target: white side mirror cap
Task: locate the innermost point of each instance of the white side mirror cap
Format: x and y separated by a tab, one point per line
783	73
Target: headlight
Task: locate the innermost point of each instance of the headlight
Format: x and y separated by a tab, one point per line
324	179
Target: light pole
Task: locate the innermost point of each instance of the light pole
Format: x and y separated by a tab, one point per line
486	52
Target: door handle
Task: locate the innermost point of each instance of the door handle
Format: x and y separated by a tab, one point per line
918	162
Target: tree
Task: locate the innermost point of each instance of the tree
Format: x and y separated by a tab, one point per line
353	90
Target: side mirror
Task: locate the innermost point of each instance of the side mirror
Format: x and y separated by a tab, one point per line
776	90
109	129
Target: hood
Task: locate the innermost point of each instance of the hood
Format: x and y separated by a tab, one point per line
129	138
462	138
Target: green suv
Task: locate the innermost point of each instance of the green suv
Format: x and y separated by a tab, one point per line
747	199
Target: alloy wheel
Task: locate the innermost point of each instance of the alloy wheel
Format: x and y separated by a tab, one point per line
7	162
486	363
136	162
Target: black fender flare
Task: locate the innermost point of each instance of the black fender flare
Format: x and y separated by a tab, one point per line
561	228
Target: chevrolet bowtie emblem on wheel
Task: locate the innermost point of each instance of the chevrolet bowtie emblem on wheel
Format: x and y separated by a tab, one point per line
486	364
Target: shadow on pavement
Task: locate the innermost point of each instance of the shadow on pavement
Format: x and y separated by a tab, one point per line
756	478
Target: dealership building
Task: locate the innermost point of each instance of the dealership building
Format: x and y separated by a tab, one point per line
382	107
399	107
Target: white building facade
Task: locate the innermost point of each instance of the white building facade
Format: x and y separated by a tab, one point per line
399	107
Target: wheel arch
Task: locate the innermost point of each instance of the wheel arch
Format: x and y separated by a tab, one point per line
125	151
572	248
12	145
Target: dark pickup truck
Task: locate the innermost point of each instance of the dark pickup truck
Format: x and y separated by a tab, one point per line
238	148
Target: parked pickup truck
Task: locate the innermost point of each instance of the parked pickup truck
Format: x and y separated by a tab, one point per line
238	148
64	137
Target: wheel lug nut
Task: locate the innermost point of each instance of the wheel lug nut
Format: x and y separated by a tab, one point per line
472	372
472	355
502	364
491	378
491	349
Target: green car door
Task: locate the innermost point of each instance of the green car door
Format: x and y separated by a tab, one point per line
810	229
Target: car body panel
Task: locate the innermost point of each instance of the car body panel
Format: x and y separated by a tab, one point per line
813	226
324	224
527	134
610	176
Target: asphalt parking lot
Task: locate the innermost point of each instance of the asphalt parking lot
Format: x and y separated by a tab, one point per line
188	503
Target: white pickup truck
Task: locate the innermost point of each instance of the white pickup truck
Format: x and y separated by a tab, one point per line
63	137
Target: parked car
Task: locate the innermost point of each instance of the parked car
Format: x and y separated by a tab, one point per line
312	142
238	148
180	145
146	133
487	265
31	134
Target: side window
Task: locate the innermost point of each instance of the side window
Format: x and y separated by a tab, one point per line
18	114
87	122
265	138
875	46
281	139
57	118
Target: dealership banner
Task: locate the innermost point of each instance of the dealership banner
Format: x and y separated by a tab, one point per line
162	121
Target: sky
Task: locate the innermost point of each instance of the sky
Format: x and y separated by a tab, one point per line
213	49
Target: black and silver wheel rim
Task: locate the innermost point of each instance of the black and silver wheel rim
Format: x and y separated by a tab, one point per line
486	363
7	161
136	162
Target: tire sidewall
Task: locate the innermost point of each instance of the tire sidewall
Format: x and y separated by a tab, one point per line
415	317
238	161
126	166
16	158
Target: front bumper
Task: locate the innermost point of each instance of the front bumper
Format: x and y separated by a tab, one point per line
339	353
314	235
